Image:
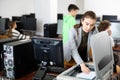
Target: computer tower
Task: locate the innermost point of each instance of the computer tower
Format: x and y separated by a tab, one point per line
2	42
50	30
19	59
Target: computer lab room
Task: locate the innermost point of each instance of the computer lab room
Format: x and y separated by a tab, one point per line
59	40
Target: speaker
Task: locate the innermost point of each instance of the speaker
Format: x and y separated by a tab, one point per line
2	42
50	30
19	59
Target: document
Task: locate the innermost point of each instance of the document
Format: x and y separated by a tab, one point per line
90	76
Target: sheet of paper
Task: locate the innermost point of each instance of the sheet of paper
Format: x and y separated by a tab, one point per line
91	75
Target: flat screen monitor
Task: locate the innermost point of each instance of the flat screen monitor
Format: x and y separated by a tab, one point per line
59	24
60	16
102	55
78	18
16	18
109	17
29	23
3	25
115	28
48	51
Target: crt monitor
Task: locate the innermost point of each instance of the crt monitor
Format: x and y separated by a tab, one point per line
3	25
48	51
102	55
115	28
29	23
78	18
109	17
59	23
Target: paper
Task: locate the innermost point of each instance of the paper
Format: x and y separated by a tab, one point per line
91	75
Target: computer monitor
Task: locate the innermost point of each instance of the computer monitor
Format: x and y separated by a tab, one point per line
60	16
29	23
59	24
3	25
109	17
16	18
48	51
115	28
102	55
78	18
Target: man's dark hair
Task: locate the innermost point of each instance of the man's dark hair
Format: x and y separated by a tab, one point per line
72	7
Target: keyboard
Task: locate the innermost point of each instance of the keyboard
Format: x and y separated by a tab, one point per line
56	69
49	77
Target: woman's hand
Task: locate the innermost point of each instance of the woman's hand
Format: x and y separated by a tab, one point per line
84	68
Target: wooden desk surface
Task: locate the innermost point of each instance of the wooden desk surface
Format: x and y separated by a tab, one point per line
116	48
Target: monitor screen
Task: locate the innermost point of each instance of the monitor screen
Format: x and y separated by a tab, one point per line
59	26
59	23
3	25
48	51
16	18
78	18
60	16
29	23
115	28
109	17
102	55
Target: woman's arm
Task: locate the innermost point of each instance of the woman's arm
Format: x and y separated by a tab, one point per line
74	49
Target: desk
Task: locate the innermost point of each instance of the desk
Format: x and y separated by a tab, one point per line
29	76
117	48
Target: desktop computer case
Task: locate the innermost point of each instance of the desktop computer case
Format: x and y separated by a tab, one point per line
2	42
19	58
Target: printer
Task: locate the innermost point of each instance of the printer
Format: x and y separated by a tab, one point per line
102	60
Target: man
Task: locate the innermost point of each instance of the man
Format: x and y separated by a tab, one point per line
69	21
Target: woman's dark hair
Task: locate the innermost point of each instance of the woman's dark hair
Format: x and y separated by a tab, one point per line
104	25
88	14
72	7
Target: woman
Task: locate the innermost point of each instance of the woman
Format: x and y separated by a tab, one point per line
12	32
78	45
105	26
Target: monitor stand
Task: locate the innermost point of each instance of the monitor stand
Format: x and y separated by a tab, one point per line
40	74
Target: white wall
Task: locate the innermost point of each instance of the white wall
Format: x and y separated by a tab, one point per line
46	12
80	4
10	8
63	5
111	7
